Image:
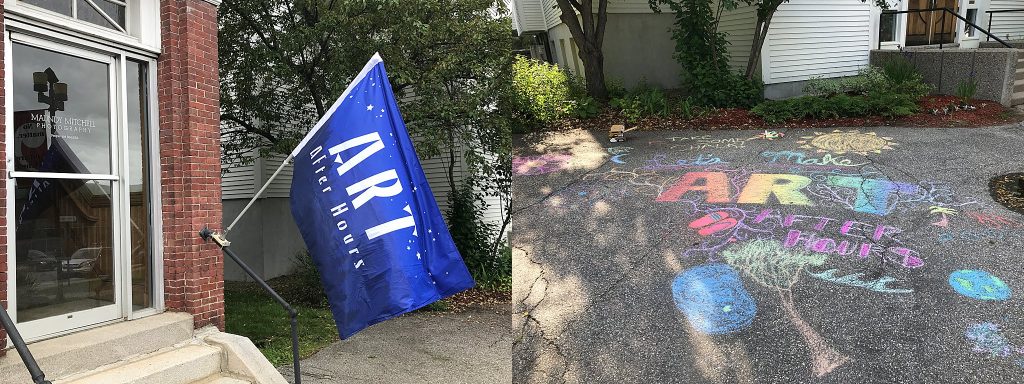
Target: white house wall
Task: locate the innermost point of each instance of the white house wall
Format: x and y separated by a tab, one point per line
1006	25
739	25
528	15
810	38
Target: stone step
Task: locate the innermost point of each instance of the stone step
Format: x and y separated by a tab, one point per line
183	365
1018	87
1019	75
87	350
1017	99
223	379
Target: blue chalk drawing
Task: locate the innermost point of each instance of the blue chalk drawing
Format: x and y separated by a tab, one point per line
713	298
979	285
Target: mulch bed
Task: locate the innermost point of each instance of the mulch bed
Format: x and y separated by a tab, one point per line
477	297
987	113
1008	190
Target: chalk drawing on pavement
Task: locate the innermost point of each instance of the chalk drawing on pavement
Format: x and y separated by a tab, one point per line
713	299
880	284
539	165
988	339
944	211
979	285
842	142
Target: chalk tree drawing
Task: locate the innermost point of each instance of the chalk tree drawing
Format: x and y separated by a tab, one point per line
713	299
979	285
768	263
841	142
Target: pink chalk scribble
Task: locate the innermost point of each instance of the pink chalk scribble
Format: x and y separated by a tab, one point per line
539	165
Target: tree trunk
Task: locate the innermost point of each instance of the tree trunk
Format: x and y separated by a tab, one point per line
755	50
824	357
593	68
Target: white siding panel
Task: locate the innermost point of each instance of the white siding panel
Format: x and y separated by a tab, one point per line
1006	25
528	15
817	39
237	182
551	13
627	6
739	24
282	184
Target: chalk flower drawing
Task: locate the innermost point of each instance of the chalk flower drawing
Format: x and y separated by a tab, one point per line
944	211
852	141
772	265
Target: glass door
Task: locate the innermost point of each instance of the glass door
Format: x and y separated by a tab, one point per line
65	187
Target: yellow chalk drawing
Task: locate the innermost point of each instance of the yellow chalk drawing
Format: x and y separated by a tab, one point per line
842	142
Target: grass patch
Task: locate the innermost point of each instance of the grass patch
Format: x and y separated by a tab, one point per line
253	314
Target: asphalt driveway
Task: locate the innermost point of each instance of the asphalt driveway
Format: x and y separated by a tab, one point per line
871	255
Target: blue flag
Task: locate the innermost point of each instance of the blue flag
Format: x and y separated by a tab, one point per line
366	212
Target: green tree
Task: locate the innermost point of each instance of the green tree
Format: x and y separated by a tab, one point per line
284	62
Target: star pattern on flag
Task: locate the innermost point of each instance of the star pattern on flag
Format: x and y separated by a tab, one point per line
369	107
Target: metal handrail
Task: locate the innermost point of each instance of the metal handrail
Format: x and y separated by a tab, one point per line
26	356
944	10
992	13
221	242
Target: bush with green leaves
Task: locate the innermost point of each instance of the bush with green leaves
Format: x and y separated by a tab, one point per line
643	101
868	78
722	88
473	237
904	78
541	90
841	105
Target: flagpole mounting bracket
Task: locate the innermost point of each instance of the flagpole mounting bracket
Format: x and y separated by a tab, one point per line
207	234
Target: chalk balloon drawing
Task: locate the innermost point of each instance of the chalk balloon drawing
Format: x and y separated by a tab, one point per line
979	285
842	142
713	299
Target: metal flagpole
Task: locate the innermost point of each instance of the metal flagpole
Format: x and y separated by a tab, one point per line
257	195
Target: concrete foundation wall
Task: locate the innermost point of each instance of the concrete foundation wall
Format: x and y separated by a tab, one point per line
993	69
266	238
639	46
779	91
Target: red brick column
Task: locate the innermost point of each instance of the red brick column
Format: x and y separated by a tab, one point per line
188	90
3	191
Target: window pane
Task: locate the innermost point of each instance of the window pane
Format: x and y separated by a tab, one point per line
65	246
89	14
972	16
59	6
887	28
138	183
61	112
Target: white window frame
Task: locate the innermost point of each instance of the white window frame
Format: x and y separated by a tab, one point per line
142	21
35	35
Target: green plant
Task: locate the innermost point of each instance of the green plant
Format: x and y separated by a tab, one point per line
966	89
904	78
473	237
542	91
642	101
872	104
867	79
304	286
723	88
585	107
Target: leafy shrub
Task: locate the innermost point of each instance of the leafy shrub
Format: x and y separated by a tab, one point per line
541	92
303	285
904	78
586	107
688	109
473	236
643	101
966	89
868	78
842	105
722	88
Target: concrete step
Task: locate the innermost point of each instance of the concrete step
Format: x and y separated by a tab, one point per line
87	350
1019	75
223	379
183	365
1018	86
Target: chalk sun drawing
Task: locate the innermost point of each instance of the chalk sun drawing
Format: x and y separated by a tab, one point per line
979	285
842	142
713	299
774	266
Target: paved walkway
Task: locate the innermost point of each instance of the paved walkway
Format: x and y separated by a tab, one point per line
870	255
424	347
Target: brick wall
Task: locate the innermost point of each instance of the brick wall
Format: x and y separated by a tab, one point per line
188	91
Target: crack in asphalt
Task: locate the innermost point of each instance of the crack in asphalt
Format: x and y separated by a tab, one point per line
562	188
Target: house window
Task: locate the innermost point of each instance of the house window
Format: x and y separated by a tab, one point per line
105	13
888	27
972	16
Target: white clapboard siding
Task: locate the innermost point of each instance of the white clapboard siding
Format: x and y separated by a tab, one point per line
237	181
528	15
627	6
739	25
810	38
1008	25
551	13
282	184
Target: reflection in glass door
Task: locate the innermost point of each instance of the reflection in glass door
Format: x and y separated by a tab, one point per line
66	189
